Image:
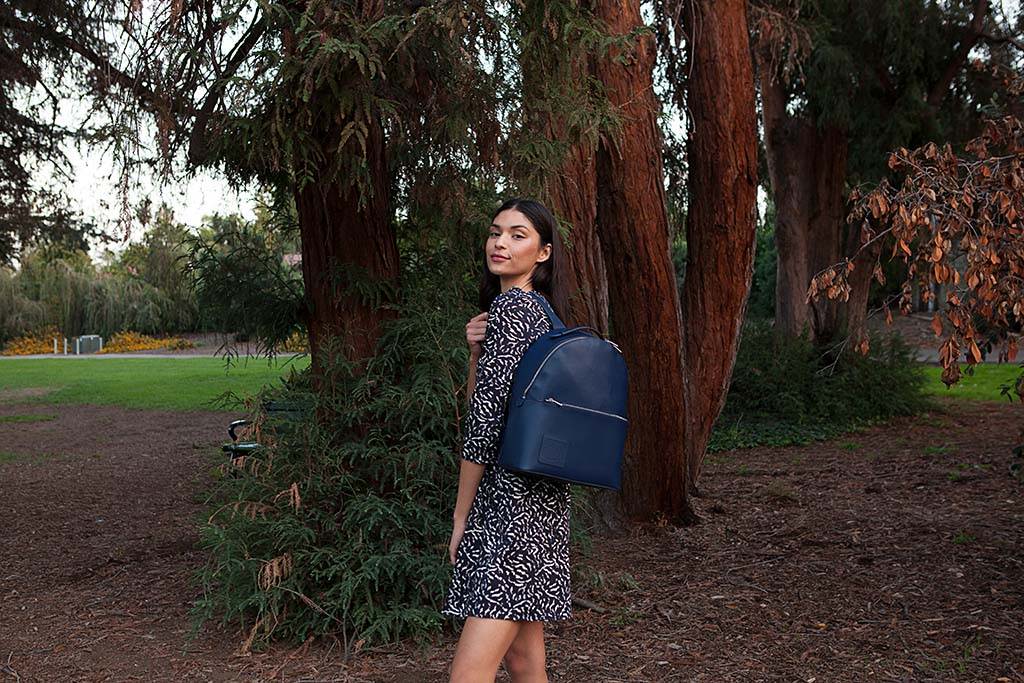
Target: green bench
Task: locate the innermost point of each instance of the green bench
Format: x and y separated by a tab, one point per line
280	417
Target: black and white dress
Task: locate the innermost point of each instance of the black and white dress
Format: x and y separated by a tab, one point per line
513	559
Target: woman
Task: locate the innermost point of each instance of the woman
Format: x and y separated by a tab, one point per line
510	539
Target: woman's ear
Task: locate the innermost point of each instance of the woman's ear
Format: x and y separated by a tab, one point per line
545	253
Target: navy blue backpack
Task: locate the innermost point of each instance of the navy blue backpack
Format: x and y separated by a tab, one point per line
566	414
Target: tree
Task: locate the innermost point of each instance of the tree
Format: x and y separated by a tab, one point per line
958	221
611	189
722	213
38	69
842	83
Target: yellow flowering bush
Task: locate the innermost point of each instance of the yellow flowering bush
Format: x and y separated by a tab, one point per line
38	342
298	342
123	342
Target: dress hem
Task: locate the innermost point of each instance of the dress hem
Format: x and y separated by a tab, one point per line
504	617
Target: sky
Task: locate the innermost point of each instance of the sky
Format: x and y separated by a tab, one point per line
94	193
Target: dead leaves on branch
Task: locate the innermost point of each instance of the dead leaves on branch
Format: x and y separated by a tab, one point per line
957	221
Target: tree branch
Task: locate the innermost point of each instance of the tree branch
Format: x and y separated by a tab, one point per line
1002	40
197	141
968	38
139	90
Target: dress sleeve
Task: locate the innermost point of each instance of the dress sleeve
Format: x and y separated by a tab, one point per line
509	334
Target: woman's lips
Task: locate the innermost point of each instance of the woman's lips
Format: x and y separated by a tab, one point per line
498	258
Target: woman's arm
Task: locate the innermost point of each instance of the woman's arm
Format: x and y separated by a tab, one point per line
470	473
489	385
471	382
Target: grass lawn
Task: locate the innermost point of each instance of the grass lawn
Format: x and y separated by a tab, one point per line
158	383
194	383
983	385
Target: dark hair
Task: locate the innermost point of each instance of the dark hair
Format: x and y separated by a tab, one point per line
548	276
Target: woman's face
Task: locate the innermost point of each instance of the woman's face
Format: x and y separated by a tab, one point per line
514	246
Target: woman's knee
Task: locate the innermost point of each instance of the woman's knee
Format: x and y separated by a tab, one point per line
521	664
524	659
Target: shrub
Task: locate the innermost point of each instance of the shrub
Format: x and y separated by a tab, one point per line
19	315
36	343
124	342
341	525
784	390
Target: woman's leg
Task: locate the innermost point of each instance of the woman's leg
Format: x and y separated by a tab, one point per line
524	660
481	646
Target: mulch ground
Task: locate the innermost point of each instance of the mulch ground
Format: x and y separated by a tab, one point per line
892	554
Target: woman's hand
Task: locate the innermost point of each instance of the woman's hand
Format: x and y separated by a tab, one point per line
476	329
458	529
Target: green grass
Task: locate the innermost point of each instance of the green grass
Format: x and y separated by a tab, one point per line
983	385
156	383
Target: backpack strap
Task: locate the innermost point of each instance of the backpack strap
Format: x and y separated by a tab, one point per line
556	322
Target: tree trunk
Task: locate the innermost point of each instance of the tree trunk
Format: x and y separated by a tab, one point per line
722	215
570	191
339	237
855	309
807	169
573	198
643	300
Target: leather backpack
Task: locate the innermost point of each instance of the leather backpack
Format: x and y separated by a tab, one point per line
566	414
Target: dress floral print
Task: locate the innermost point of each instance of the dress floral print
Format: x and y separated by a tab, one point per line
513	559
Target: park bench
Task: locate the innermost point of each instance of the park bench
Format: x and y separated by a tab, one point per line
280	418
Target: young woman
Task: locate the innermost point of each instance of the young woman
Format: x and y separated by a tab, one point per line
510	540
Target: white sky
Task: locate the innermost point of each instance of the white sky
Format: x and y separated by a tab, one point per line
95	194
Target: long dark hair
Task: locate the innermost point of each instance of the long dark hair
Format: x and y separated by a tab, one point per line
548	276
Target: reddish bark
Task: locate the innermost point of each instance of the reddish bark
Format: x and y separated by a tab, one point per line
338	235
573	198
720	222
642	296
807	168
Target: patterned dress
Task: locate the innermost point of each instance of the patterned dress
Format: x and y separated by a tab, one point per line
513	559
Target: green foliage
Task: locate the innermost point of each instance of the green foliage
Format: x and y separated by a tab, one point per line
785	391
873	65
230	276
242	282
347	517
19	315
79	300
761	303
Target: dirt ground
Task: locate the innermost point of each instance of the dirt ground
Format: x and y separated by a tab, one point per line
894	554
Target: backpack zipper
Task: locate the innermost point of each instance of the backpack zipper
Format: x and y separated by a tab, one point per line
567	341
549	399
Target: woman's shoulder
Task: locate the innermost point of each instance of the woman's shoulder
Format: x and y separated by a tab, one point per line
517	302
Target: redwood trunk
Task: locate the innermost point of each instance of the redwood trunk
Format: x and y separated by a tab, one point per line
642	296
807	169
721	219
855	309
339	237
573	198
570	191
